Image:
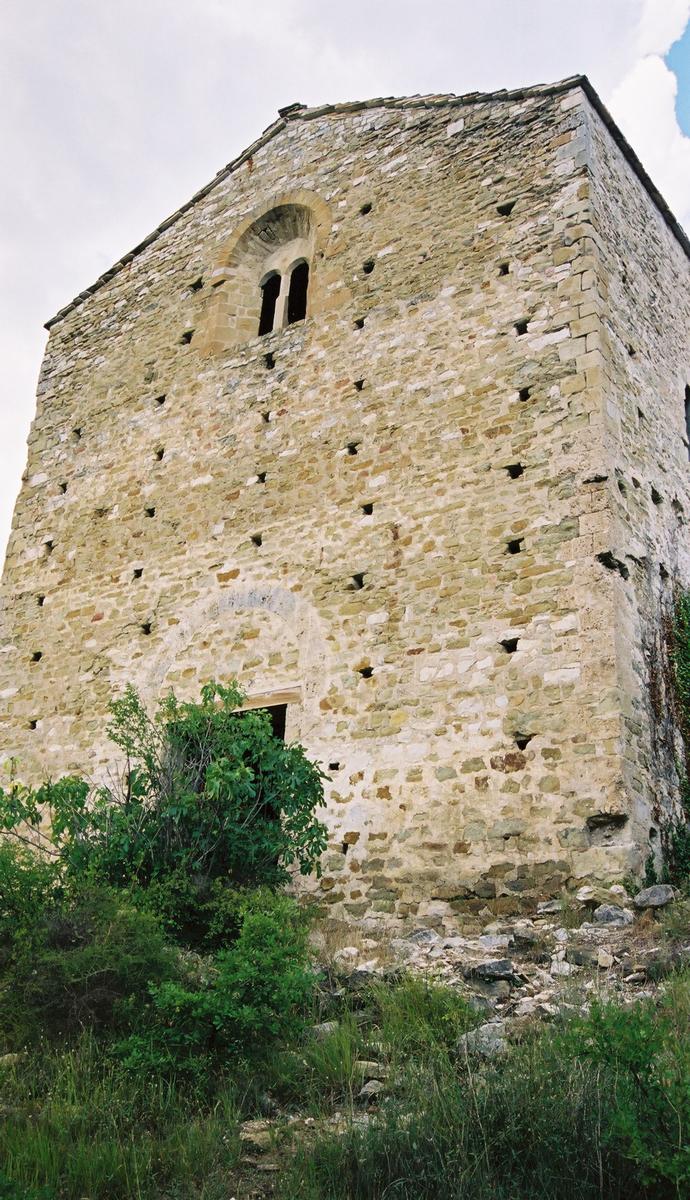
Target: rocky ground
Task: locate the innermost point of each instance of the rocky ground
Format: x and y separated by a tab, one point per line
512	970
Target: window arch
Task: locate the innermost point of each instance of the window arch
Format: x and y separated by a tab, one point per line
275	250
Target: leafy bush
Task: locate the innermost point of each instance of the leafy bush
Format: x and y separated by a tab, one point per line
677	836
208	794
252	995
88	963
28	886
646	1049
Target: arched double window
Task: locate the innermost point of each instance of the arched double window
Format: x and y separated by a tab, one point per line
284	297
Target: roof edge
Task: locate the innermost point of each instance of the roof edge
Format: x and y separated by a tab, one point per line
298	112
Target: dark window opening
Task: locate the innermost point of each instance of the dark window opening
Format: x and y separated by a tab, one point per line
186	337
359	323
297	295
261	477
504	269
146	627
269	361
270	291
366	672
515	545
353	448
504	210
160	400
33	723
521	328
522	740
76	433
37	656
359	384
366	208
137	572
334	766
524	393
40	600
197	285
160	452
515	470
367	509
150	512
345	846
510	645
368	266
63	488
687	415
49	545
257	539
357	581
266	417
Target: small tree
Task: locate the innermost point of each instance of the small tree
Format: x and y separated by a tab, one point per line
208	797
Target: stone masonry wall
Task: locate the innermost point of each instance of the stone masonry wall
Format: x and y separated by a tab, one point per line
387	516
644	278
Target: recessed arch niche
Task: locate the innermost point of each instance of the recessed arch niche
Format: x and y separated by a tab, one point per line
259	280
267	638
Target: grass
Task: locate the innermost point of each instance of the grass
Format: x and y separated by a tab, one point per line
74	1124
552	1119
542	1122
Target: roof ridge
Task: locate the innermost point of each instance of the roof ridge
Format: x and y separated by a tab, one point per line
300	112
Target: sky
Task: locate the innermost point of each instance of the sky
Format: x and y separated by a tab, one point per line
113	112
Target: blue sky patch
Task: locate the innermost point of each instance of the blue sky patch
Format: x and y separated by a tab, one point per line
678	59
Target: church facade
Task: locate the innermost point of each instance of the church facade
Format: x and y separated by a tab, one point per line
390	424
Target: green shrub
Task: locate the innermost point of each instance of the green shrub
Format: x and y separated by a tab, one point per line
646	1050
208	794
253	997
28	886
88	963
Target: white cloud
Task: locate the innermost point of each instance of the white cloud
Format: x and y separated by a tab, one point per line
661	24
643	104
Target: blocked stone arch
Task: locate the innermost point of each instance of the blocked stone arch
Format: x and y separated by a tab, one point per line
289	228
266	637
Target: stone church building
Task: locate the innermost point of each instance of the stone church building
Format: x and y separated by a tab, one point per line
390	424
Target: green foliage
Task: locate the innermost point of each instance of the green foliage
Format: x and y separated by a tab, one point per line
208	794
28	885
88	962
677	848
646	1049
416	1015
75	1124
253	996
527	1125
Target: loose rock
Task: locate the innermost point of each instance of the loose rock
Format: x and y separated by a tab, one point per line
655	897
